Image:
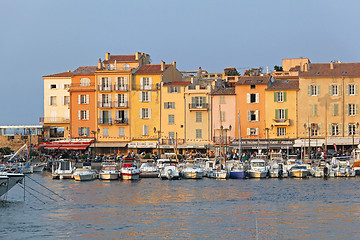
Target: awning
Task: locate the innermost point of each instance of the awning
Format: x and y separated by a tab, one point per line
108	144
193	145
142	144
74	144
305	142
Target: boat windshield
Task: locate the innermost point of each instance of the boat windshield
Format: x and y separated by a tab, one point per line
298	167
258	164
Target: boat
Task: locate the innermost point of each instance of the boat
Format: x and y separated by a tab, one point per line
39	167
237	170
191	170
62	169
343	167
258	168
8	181
299	171
129	169
109	171
355	160
26	168
220	174
169	170
149	170
84	174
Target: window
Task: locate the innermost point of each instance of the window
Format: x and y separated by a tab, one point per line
253	116
171	138
169	105
145	83
198	102
279	96
145	130
252	98
145	113
252	86
127	66
121	83
198	133
84	115
198	117
314	110
85	82
105	100
222	99
84	131
53	86
314	128
352	109
334	90
252	131
352	89
105	117
314	90
121	131
66	86
334	129
171	119
120	100
66	100
121	116
335	109
173	89
105	84
52	101
105	132
281	131
146	96
281	114
222	116
84	99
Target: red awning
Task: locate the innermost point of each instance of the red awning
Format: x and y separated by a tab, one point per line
65	145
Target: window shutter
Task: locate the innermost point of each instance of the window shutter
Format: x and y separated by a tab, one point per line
140	96
117	115
284	96
165	105
249	116
248	97
330	90
109	83
339	90
318	90
347	89
79	115
101	116
248	131
336	109
340	128
125	114
116	100
79	99
319	129
100	99
276	113
346	129
87	131
116	82
257	115
141	83
330	129
140	113
286	114
356	109
87	99
315	110
312	110
149	113
49	101
79	131
150	83
109	99
257	98
333	109
125	99
149	95
87	114
356	89
49	86
275	96
347	109
100	81
144	130
256	131
309	90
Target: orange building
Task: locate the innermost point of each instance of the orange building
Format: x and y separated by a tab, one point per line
250	104
83	103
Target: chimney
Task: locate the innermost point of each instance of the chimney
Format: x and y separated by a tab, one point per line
331	65
306	67
162	65
199	72
137	54
174	64
107	56
99	64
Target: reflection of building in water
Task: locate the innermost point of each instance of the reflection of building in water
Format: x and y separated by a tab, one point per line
16	136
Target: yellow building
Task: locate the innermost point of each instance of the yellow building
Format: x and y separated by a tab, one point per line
56	118
281	109
146	101
113	80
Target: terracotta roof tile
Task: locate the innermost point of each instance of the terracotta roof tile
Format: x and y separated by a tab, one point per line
253	80
284	84
340	70
121	58
63	74
184	83
151	69
85	70
223	91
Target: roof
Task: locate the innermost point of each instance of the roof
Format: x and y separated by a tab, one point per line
121	58
339	70
253	80
85	70
284	84
183	83
63	74
224	91
151	69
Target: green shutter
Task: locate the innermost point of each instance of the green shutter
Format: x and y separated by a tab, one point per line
336	109
315	110
356	109
276	113
312	110
284	96
318	90
347	89
286	114
319	129
330	90
329	129
347	109
340	128
79	129
309	90
339	90
356	89
87	131
275	96
346	129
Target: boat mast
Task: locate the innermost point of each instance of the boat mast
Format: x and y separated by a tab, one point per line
240	147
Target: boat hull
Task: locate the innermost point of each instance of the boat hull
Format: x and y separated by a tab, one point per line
8	181
130	176
192	175
238	174
149	174
257	174
84	177
38	168
109	176
299	174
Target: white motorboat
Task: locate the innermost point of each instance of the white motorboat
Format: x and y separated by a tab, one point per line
8	181
109	172
299	171
84	174
219	174
129	170
39	167
149	170
169	170
258	168
63	169
191	170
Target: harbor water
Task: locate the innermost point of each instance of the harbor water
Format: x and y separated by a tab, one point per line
184	209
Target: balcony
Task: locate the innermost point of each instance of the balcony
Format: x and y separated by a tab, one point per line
199	106
105	104
281	122
54	120
105	121
218	140
121	104
172	141
103	88
120	121
146	87
121	87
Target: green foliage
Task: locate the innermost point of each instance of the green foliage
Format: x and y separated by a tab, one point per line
278	68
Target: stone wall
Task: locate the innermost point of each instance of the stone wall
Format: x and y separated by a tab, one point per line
17	141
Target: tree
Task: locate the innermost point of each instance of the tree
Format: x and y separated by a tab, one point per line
278	68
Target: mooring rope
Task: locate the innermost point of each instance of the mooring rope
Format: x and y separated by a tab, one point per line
46	188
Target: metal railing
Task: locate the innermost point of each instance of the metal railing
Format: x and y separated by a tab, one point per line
105	88
54	120
120	104
171	141
198	105
105	104
105	121
120	121
121	87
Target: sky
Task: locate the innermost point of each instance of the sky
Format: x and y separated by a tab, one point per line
42	37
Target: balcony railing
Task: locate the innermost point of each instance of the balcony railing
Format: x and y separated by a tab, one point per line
198	106
105	121
172	141
120	121
105	88
218	140
105	104
281	122
120	104
121	87
146	87
54	120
